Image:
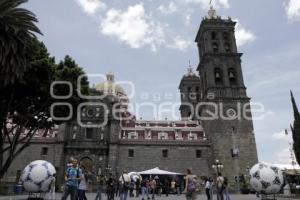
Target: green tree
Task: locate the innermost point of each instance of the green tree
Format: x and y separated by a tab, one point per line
28	100
296	129
17	27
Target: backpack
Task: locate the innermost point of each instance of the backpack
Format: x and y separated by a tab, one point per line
191	185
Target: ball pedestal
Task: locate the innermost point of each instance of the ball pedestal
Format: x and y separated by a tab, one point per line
268	197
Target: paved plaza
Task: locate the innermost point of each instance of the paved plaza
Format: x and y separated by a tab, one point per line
91	196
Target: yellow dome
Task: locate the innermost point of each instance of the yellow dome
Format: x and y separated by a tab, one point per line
110	87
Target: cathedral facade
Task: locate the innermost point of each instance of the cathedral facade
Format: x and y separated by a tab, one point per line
213	123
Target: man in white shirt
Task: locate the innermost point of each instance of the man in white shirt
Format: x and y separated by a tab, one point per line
124	181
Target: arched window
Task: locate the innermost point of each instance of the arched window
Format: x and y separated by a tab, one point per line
218	76
215	47
232	76
227	47
213	35
226	36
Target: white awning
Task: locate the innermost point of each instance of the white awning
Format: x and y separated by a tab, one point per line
157	171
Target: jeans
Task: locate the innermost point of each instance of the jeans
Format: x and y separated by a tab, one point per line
70	190
207	190
123	195
81	195
98	196
145	192
226	194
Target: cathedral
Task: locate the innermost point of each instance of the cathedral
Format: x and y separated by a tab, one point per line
216	122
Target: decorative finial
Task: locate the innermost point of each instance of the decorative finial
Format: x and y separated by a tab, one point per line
212	14
110	77
190	69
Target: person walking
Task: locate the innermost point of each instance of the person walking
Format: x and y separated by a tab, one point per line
144	189
219	185
124	181
131	188
110	188
190	186
173	186
211	181
153	187
82	187
225	189
137	187
100	187
167	187
207	188
72	177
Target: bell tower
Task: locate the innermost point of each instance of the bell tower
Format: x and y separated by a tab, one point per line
225	111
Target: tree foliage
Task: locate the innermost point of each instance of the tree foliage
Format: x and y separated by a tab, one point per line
17	27
26	103
296	129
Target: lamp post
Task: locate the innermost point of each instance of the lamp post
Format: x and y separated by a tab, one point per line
217	166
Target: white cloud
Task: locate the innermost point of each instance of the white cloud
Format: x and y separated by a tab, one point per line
168	9
187	19
292	8
134	27
282	136
137	29
243	36
91	6
180	44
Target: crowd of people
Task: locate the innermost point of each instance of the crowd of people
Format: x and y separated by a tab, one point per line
125	187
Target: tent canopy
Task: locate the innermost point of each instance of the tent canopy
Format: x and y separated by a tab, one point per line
158	171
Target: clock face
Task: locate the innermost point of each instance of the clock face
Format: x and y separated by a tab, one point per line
231	113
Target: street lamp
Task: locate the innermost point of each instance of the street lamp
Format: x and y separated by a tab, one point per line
217	166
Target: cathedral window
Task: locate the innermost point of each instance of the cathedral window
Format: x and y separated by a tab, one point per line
165	153
130	153
218	76
215	47
44	151
198	153
163	136
89	133
213	35
226	36
232	76
132	136
227	47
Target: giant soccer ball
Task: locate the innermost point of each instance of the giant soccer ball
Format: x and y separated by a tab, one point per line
37	176
266	179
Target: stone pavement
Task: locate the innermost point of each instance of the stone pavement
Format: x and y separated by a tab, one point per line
91	196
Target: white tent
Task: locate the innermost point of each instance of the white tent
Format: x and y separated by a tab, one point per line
157	171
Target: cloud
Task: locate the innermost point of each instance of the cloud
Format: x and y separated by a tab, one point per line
133	27
91	6
292	8
137	29
282	136
180	44
243	36
168	9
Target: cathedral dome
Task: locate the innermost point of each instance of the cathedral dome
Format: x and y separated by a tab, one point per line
110	87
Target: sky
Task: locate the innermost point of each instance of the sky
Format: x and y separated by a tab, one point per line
151	42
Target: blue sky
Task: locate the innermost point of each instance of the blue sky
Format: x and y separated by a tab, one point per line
150	43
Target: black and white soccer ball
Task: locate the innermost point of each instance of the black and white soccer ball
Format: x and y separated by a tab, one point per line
38	176
266	179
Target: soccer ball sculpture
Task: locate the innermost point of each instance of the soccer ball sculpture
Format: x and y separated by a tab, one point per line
266	179
38	176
